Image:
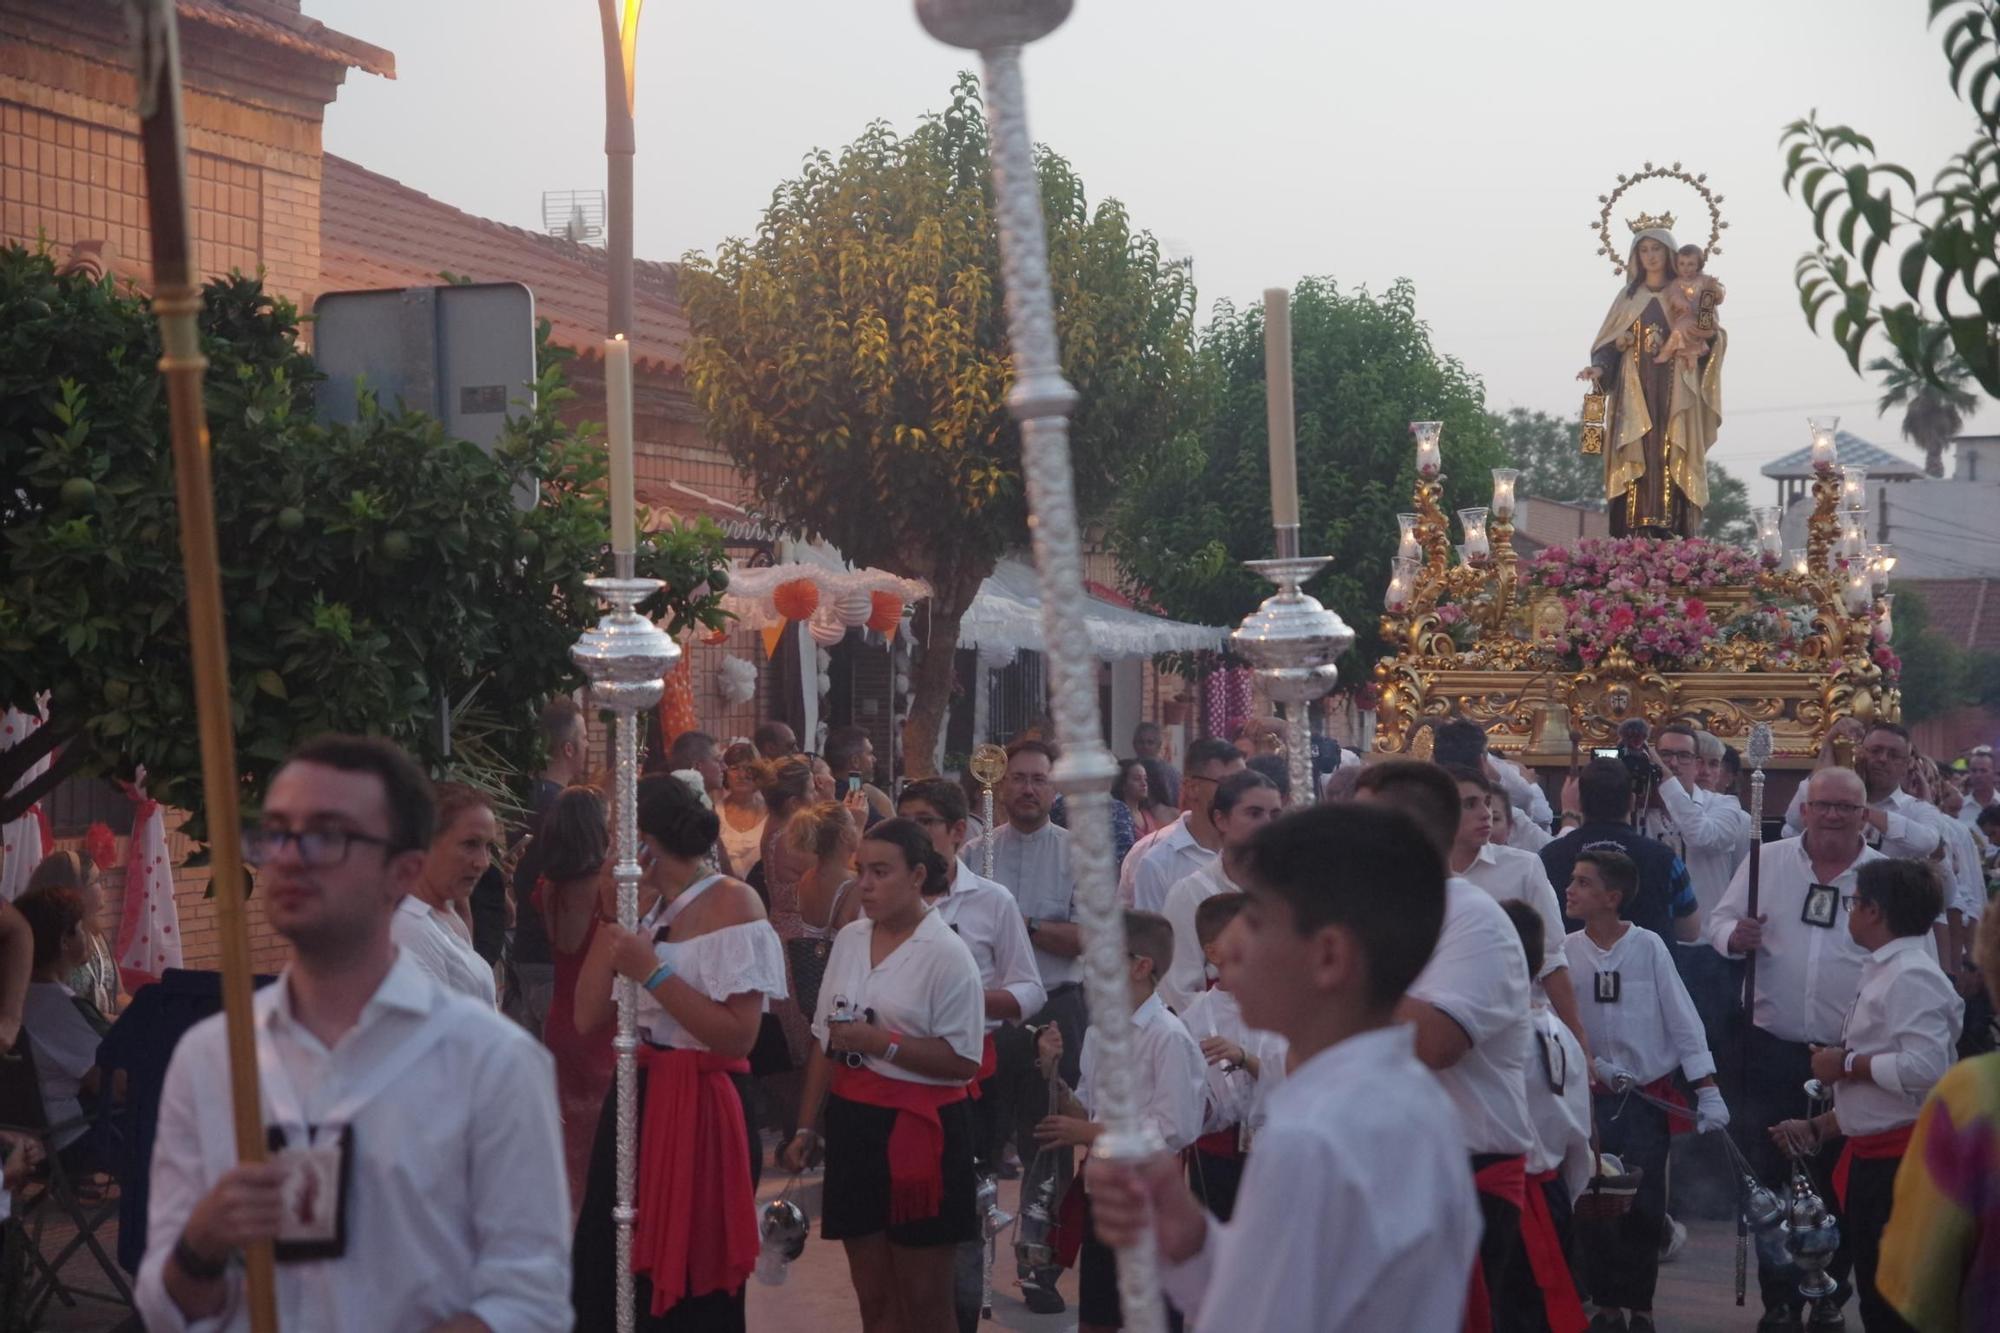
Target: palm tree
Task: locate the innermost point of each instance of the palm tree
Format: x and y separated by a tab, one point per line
1934	407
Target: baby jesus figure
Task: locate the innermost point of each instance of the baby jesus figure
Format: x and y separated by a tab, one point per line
1690	299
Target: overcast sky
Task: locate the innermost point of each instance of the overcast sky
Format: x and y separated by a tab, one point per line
1459	143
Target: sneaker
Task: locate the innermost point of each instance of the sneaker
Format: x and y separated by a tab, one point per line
1674	1242
1042	1300
1826	1315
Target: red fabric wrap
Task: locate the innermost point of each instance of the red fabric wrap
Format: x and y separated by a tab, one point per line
1222	1143
696	1231
1545	1256
1505	1180
916	1143
1869	1148
1679	1121
989	1061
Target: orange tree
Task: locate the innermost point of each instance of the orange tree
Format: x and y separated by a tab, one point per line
852	358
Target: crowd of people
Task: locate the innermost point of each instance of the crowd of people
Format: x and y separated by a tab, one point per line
1418	1057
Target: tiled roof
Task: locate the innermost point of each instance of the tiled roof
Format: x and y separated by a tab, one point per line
376	232
1854	452
1966	611
675	500
293	31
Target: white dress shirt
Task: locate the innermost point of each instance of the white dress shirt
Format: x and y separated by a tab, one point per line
1652	1026
1806	975
1906	1019
1169	1075
457	1201
1964	878
1234	1096
1524	834
1035	868
1522	792
1129	867
1561	1115
1478	977
1968	813
420	931
928	986
1512	876
1908	830
1710	830
1187	976
1173	856
985	917
1356	1213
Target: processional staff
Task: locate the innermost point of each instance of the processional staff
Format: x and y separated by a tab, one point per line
1758	751
177	302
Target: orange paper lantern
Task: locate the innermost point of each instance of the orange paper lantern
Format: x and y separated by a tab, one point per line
885	612
797	599
715	638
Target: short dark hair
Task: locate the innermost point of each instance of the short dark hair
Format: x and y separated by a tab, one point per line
1893	728
690	748
1210	750
1371	870
1150	936
674	817
1236	786
1273	767
1528	924
1048	750
51	915
575	834
940	794
1458	741
1604	790
1159	780
1687	729
406	793
908	837
843	748
1619	872
559	719
1145	727
1422	790
1732	759
774	735
1469	775
1990	815
1907	891
1214	915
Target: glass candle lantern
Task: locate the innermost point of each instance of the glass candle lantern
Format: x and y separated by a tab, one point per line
1503	492
1407	547
1797	561
1854	535
1825	451
1857	591
1402	584
1853	487
1770	541
1476	547
1429	461
1885	623
1881	561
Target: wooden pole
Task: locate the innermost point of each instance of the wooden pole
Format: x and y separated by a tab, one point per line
177	302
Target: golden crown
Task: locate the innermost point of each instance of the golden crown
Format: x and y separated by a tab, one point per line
1647	221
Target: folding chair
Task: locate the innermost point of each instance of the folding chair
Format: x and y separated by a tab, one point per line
49	1196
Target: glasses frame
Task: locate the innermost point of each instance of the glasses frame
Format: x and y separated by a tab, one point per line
262	845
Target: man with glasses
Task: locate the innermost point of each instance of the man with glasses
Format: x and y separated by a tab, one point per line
1982	789
1897	823
1710	833
1163	859
1808	973
420	1179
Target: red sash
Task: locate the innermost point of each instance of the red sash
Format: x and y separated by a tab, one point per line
1223	1143
989	1061
1545	1256
1505	1180
916	1142
1680	1121
1869	1148
696	1230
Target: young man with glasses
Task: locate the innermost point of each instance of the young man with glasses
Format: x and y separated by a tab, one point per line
420	1183
1808	973
1161	860
1710	833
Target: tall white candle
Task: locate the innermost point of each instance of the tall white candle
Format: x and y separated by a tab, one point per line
1278	406
618	423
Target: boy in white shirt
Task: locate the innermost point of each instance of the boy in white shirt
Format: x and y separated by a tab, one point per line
1167	1092
1642	1026
1356	1212
1243	1066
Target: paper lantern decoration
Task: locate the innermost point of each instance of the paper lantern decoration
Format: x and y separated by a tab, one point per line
825	629
715	638
885	612
736	680
771	634
852	609
797	599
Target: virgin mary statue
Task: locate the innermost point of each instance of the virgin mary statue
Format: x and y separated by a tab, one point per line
1662	416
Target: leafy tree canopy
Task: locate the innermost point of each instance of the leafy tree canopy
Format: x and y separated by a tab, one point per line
374	573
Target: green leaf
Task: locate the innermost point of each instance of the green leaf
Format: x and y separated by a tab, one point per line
271	683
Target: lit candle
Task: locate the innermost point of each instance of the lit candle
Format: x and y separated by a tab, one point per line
1278	406
1402	584
1858	589
1797	561
1854	487
1881	560
1854	535
1503	492
618	423
1825	452
1770	540
1885	623
1429	461
1406	538
1476	547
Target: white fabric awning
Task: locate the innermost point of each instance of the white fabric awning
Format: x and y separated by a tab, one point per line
1006	617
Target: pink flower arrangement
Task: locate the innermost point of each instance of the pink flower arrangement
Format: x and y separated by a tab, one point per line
1663	632
1641	564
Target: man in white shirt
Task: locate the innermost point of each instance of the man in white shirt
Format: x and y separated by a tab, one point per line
1898	1042
1898	824
1243	803
1356	1214
1982	790
1160	860
432	1118
1808	973
1710	833
1463	741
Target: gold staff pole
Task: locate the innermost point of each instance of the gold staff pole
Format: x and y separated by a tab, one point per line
177	301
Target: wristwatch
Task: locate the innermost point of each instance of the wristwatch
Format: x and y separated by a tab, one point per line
194	1265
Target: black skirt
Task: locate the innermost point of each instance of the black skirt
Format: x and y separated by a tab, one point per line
594	1252
855	1201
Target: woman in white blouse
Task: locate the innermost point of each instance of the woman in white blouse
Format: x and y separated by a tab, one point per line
433	924
707	964
898	1029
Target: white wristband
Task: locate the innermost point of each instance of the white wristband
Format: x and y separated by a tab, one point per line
890	1054
1852	1056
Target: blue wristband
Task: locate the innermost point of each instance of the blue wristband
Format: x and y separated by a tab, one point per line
660	973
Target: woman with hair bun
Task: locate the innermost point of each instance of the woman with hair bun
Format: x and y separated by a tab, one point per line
707	964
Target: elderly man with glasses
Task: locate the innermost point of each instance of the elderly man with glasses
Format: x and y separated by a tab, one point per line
1897	823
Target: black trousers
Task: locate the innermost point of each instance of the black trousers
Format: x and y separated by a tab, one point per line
1046	1174
1774	1079
1215	1181
1620	1256
1871	1190
1510	1282
1015	1082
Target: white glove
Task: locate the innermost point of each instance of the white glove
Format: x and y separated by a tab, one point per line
1709	1111
1612	1075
